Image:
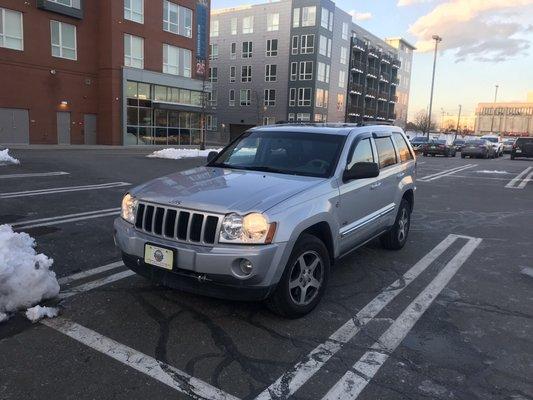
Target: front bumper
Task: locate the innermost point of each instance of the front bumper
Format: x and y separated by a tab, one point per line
207	270
474	152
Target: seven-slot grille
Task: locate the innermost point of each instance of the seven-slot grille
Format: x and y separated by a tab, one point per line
177	224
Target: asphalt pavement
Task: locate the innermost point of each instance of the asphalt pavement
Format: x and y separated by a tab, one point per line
448	317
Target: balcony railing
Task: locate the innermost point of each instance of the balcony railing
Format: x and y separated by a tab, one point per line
356	89
372	71
358	44
358	66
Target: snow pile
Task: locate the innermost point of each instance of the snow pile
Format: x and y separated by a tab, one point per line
6	158
176	154
25	276
36	313
486	171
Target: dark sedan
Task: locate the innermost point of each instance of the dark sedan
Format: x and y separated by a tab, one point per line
478	148
438	147
418	142
523	147
458	144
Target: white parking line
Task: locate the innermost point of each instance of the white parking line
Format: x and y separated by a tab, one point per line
446	172
288	383
62	219
355	380
62	190
95	284
34	175
90	272
164	373
513	184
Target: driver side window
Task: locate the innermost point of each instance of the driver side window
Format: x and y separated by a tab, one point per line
361	153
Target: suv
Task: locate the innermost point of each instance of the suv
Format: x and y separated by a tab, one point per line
523	147
496	143
268	215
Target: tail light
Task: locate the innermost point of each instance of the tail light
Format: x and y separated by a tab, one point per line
441	146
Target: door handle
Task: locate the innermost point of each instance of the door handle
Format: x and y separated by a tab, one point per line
375	185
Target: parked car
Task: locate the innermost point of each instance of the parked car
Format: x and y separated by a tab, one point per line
438	147
458	144
508	145
268	215
496	143
523	147
417	142
478	148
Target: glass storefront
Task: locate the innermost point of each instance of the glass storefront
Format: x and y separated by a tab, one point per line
149	123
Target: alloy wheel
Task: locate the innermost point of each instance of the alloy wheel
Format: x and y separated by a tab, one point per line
306	278
403	225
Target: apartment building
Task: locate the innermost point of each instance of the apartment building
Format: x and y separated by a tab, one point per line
102	72
505	118
289	60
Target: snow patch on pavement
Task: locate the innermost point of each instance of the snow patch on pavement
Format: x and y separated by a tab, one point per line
176	154
37	313
527	271
486	171
25	276
5	158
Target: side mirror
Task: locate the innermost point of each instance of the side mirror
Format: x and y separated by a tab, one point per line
211	156
361	170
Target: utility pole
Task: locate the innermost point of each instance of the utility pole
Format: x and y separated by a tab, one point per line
437	39
494	108
458	122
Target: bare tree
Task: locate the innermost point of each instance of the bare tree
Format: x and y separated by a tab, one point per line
421	122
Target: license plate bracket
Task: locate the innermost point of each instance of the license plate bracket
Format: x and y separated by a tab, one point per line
159	256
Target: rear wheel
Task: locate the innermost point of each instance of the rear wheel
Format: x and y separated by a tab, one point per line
396	237
304	280
512	157
463	156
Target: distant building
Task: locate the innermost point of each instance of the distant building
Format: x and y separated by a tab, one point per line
511	119
405	54
448	122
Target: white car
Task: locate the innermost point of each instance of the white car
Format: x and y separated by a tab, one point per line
496	143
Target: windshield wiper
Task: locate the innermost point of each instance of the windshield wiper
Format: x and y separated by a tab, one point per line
267	169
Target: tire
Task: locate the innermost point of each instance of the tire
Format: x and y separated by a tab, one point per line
463	156
512	157
394	239
283	300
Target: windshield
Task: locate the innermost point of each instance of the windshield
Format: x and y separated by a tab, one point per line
419	140
491	139
295	153
475	142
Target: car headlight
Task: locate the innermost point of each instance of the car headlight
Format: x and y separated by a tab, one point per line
253	228
129	208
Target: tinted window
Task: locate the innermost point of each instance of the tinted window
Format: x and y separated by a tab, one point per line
419	140
522	141
362	153
386	153
475	142
492	139
403	149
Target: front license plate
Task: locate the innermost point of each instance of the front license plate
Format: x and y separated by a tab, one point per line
158	256
432	147
518	151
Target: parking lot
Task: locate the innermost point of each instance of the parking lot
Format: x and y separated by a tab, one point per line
448	317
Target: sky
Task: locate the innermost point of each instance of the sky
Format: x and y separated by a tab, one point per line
485	43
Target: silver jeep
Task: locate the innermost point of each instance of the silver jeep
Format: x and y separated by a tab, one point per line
267	217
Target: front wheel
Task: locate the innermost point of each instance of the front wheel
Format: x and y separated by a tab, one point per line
304	280
396	237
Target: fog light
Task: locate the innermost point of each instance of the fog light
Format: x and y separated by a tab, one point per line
246	266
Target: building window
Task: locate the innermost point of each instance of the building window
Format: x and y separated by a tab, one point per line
66	3
212	98
232	74
303	117
233	51
321	98
245	97
324	46
63	40
233	24
134	10
345	31
291	117
296	18
294	71
308	16
271	48
232	98
247	49
248	24
306	70
323	72
272	22
214	28
304	97
213	51
342	79
271	72
211	122
344	55
176	61
292	97
133	51
340	102
294	45
246	73
177	19
307	44
11	36
329	49
326	19
269	120
270	97
213	74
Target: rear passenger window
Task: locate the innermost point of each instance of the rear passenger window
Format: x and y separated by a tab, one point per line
403	149
361	153
386	153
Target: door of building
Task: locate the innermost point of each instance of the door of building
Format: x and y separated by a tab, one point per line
89	124
63	127
14	126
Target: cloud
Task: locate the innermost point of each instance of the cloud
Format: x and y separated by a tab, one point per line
360	16
403	3
483	30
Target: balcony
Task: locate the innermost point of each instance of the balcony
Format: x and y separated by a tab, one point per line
358	66
371	93
372	72
358	45
384	77
393	99
356	89
373	52
396	64
394	81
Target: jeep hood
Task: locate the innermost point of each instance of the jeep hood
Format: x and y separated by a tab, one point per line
222	191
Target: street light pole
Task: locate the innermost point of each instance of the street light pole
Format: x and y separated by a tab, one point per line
437	39
458	122
494	108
